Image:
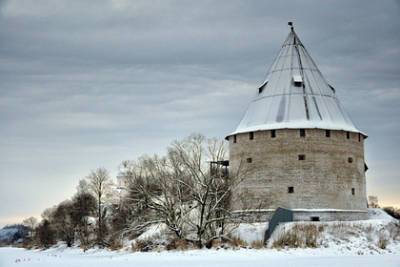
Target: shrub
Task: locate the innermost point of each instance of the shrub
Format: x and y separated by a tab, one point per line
311	234
394	230
237	242
178	244
142	245
287	239
115	243
258	244
382	240
300	235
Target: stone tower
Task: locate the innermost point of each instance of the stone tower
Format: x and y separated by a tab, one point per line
296	146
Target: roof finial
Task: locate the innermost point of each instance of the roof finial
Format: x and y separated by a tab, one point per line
291	25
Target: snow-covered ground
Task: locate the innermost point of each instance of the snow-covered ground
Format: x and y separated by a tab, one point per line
61	257
340	244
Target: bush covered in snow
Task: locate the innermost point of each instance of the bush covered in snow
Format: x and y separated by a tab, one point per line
369	235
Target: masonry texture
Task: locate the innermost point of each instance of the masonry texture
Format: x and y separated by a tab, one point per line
319	175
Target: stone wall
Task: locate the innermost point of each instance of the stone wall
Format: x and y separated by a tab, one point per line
250	216
333	167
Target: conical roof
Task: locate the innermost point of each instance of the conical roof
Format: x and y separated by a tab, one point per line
295	95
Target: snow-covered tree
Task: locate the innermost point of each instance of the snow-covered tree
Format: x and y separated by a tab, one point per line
207	183
31	223
154	194
184	189
99	182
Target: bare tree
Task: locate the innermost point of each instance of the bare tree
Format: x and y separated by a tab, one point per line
184	189
373	202
31	223
45	234
99	184
208	185
84	206
154	192
62	222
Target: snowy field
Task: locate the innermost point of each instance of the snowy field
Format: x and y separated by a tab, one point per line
61	257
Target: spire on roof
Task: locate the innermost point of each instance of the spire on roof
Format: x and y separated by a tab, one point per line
295	95
291	25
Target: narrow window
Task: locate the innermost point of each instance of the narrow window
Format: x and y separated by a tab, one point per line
297	81
302	133
359	137
290	189
273	133
302	157
249	160
353	191
251	135
328	133
350	160
348	135
314	219
234	138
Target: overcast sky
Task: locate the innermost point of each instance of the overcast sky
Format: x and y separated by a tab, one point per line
85	84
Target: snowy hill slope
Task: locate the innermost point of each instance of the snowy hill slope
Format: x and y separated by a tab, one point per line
12	233
379	234
62	257
7	233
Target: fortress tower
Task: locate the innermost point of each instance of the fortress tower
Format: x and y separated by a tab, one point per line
298	146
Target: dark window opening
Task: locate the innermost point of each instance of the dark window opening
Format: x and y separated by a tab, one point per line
234	138
297	81
350	160
302	157
314	219
359	137
290	189
302	133
273	133
261	89
328	133
348	135
353	191
251	135
249	160
298	84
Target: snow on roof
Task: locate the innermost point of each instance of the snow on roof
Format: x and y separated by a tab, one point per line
282	104
297	78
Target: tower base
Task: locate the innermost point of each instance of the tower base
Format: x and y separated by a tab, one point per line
264	215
